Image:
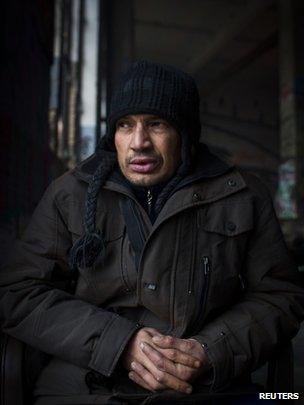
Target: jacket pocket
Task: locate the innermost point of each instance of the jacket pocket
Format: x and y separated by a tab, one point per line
100	281
227	219
201	290
128	270
108	222
224	232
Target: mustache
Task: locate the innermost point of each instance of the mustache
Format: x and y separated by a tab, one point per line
144	155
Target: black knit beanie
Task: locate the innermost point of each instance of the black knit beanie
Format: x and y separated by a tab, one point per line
147	88
161	90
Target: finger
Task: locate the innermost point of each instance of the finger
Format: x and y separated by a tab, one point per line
178	370
138	380
170	342
147	376
151	374
153	332
177	356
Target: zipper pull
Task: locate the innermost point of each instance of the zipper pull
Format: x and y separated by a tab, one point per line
241	281
206	265
149	201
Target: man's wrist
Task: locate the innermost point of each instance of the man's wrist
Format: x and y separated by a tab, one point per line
207	364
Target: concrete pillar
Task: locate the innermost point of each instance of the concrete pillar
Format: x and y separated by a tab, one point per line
290	194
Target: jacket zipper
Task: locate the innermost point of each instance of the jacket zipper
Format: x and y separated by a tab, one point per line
202	298
241	282
192	265
140	224
149	201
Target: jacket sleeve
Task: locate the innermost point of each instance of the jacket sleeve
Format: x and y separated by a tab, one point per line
269	313
52	320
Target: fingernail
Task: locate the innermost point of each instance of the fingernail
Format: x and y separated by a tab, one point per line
133	365
156	338
131	376
142	346
197	364
188	390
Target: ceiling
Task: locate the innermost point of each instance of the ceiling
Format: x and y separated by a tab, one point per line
211	39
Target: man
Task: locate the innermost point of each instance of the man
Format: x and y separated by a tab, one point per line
182	281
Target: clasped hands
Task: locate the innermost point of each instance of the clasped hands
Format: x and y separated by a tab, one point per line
156	361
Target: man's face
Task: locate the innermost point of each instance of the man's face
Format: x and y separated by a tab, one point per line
148	149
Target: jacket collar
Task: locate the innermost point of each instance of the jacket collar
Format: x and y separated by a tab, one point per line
85	169
200	193
219	180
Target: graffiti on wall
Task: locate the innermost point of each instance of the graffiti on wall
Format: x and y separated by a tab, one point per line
286	201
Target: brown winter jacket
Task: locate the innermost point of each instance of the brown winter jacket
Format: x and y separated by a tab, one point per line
214	266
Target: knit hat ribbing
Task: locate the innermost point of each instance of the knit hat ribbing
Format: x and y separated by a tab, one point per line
162	90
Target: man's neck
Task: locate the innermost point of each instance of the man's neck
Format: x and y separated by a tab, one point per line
147	196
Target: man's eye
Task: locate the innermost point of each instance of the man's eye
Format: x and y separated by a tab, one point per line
157	124
123	124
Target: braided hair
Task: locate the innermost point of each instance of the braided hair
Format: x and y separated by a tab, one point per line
90	247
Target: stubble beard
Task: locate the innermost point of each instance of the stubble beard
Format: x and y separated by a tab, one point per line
142	180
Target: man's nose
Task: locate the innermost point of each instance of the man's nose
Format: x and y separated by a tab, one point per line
140	138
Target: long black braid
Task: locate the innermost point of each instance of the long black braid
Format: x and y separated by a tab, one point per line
90	247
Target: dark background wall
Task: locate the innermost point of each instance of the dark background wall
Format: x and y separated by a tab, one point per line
26	159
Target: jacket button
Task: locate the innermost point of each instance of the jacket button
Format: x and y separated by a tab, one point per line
231	226
231	183
204	345
196	197
222	333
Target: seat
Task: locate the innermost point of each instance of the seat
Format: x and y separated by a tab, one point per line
11	383
21	365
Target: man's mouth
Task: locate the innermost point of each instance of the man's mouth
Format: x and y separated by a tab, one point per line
143	164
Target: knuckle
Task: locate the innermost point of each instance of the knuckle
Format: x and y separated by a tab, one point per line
172	354
169	340
189	362
133	376
182	374
159	363
179	387
188	345
186	375
182	387
155	385
160	377
143	373
139	336
142	333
